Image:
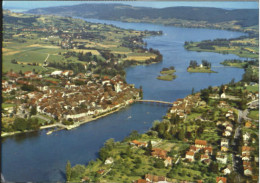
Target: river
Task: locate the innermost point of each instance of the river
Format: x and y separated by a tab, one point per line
38	157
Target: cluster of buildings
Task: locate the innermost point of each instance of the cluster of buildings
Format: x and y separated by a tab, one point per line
156	152
202	147
182	107
63	98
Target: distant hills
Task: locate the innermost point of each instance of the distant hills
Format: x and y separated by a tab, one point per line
244	17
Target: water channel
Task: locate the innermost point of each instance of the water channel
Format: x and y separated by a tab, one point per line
39	157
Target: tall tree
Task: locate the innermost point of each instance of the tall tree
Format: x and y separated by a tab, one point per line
68	171
149	148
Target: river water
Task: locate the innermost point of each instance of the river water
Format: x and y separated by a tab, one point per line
39	157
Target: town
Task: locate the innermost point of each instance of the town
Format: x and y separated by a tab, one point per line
67	98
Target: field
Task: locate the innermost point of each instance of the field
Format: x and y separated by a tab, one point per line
254	114
242	51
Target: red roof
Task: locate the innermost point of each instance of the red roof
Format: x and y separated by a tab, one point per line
246	148
200	142
159	152
190	153
141	181
223	179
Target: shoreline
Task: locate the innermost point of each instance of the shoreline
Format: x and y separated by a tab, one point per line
69	127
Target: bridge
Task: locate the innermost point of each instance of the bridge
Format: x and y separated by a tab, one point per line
155	101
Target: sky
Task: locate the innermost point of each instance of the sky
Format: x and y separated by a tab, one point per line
26	5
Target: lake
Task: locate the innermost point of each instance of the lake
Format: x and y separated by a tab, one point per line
42	158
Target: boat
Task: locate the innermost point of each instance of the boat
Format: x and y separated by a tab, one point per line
49	132
129	117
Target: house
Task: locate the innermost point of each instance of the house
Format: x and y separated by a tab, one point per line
221	180
246	150
56	73
200	143
222	104
246	136
28	73
227	170
229	127
246	157
159	153
4	84
204	157
223	95
168	161
67	73
248	124
224	148
227	133
154	178
221	157
109	161
190	155
141	181
194	148
101	171
138	144
208	150
224	142
247	171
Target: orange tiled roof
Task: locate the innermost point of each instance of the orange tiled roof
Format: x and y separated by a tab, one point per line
201	142
223	179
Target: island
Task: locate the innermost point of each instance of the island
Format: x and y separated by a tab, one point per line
205	67
167	74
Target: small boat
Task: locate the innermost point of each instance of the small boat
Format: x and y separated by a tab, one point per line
49	132
129	117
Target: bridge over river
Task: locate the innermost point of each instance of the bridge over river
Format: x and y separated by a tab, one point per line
155	101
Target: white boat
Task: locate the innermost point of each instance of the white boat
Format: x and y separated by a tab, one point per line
49	132
129	117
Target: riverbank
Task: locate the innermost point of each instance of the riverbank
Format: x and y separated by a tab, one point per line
76	124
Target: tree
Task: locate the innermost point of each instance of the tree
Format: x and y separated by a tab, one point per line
204	95
134	135
20	124
213	167
109	144
181	134
103	154
141	92
33	110
77	172
149	148
158	163
192	91
68	171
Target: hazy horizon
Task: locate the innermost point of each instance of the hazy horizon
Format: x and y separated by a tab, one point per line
26	5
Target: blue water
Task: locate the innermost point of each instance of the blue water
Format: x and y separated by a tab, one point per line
40	157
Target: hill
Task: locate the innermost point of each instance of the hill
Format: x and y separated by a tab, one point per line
242	17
